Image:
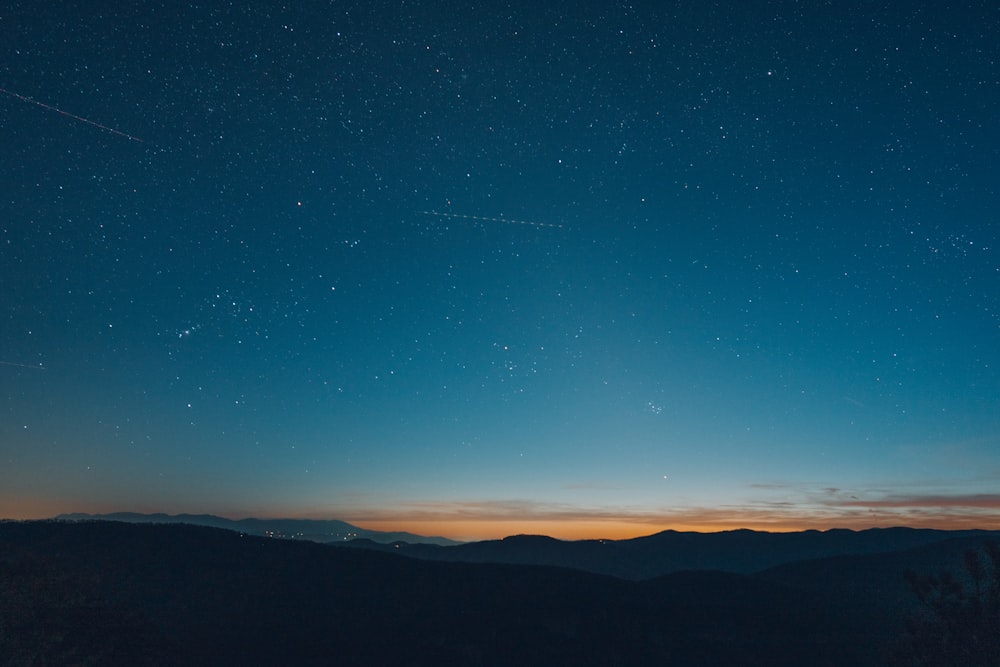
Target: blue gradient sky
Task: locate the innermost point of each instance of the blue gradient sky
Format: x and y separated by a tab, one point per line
589	269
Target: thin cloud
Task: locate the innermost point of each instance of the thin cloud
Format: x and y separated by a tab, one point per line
977	500
822	509
773	505
761	514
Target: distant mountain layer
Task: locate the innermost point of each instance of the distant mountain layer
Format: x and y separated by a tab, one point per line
738	551
313	530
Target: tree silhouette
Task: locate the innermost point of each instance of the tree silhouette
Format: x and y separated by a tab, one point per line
959	622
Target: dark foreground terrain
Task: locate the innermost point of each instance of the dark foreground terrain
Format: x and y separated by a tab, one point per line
93	593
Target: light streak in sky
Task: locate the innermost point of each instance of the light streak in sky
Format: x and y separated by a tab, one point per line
30	100
482	218
14	363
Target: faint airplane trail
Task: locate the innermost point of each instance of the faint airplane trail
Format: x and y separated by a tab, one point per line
30	100
14	363
483	218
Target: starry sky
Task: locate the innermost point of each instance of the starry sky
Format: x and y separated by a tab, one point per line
590	269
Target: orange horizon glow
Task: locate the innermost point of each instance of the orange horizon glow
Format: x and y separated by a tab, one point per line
468	526
471	530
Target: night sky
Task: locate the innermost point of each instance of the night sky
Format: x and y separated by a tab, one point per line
590	269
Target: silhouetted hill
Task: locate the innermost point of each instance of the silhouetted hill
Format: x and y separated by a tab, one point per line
875	584
316	530
742	551
149	594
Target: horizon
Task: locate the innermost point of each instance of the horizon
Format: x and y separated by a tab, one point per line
595	270
473	531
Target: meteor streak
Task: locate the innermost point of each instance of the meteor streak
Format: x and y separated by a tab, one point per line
482	218
14	363
30	100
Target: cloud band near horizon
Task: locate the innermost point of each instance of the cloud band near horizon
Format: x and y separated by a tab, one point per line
834	510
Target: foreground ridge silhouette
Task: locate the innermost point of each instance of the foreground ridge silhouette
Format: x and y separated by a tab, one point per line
958	623
143	594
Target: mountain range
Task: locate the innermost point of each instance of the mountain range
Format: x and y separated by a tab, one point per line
738	551
147	593
315	530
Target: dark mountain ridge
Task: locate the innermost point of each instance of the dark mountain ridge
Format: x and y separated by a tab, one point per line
107	592
316	530
739	551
